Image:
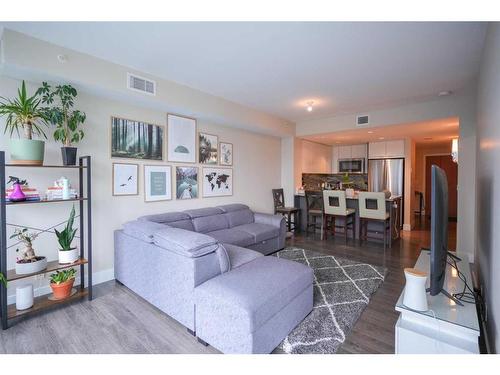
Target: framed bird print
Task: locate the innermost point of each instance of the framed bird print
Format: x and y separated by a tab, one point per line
157	183
125	179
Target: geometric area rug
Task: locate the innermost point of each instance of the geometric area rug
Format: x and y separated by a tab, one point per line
342	290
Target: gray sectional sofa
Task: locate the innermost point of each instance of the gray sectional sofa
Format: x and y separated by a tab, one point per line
206	268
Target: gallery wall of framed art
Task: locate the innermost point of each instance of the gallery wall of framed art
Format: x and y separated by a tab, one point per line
182	143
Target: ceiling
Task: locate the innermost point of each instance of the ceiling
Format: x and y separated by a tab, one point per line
278	67
429	132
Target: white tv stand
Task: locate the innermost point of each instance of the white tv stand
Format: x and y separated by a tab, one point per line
446	327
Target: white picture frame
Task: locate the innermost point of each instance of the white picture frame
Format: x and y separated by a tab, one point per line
157	183
125	179
226	153
181	139
217	182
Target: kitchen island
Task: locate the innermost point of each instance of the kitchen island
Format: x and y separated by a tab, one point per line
393	206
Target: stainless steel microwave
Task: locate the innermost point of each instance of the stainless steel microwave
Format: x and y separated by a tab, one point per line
352	165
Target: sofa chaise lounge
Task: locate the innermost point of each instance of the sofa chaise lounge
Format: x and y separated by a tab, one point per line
206	268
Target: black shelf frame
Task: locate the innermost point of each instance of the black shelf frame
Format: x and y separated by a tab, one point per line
85	195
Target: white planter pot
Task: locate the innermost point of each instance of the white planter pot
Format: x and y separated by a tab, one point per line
68	256
24	297
24	268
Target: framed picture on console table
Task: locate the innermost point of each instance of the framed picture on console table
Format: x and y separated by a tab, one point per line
217	182
125	179
181	139
157	183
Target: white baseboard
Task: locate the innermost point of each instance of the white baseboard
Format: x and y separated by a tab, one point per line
97	278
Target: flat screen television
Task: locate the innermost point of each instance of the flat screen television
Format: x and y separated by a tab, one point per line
439	232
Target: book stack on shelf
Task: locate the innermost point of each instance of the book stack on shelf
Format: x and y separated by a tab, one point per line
56	192
31	193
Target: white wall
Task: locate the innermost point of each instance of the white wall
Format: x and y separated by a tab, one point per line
316	157
488	181
460	104
257	168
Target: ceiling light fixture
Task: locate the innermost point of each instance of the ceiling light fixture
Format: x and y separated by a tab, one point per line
381	138
310	106
370	132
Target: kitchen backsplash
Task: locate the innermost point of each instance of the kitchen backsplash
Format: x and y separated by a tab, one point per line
315	181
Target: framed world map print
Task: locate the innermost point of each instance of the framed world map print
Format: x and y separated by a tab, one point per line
157	183
217	182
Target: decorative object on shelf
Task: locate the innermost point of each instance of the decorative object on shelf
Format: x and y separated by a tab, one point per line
17	194
62	282
25	113
454	150
136	140
24	297
30	262
125	179
60	112
217	182
415	296
181	139
157	183
61	190
67	253
208	148
226	154
186	182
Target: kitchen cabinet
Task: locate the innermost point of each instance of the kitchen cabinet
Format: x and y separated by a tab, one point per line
358	151
386	149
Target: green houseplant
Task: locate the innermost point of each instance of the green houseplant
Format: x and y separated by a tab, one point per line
67	120
3	280
29	262
62	282
67	253
25	114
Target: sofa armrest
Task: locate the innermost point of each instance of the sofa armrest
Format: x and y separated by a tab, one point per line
269	219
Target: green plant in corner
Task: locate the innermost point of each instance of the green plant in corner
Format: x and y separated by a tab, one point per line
24	113
3	280
60	112
66	236
62	276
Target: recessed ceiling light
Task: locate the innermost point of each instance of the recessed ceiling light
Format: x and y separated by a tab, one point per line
310	106
444	93
370	131
381	138
337	142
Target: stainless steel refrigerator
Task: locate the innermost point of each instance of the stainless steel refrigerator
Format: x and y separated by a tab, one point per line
387	174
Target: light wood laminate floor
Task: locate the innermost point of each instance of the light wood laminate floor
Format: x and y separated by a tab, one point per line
118	321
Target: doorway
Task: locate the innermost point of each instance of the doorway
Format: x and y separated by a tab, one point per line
446	163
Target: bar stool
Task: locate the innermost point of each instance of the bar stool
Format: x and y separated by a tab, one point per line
335	206
314	210
279	207
372	208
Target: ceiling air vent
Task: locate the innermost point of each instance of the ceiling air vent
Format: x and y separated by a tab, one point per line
141	84
362	120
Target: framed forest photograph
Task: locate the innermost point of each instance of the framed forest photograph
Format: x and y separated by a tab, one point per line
136	140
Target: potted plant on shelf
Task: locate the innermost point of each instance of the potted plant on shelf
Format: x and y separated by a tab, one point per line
67	120
30	262
67	254
62	282
25	113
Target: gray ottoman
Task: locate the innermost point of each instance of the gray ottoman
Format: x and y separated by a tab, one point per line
252	308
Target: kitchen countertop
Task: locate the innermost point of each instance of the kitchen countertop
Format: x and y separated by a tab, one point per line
390	199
